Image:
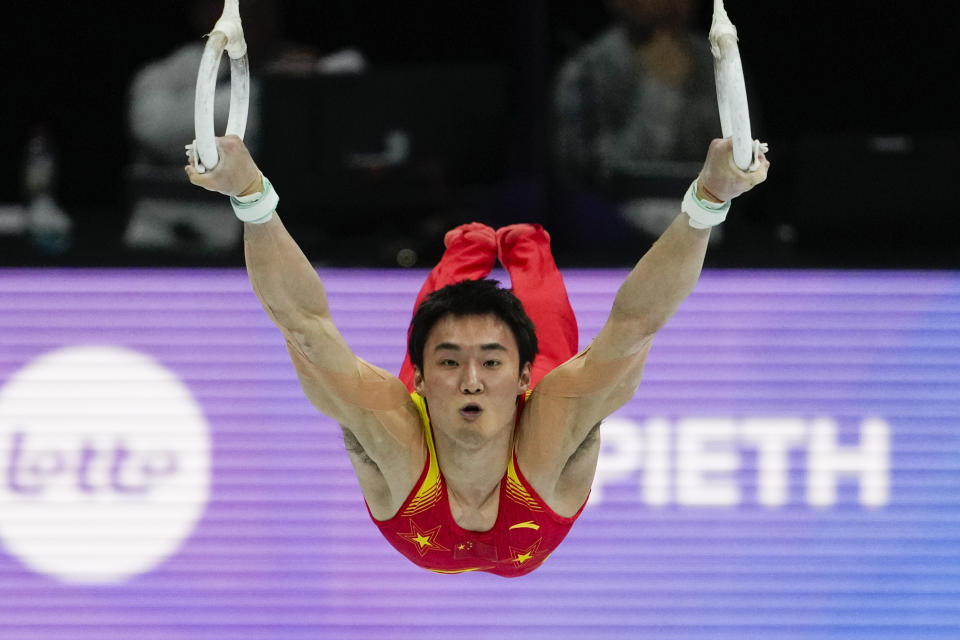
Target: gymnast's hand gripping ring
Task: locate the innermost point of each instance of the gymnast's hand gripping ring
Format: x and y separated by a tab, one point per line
227	35
732	91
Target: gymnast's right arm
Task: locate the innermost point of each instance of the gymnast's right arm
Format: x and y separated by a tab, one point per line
338	383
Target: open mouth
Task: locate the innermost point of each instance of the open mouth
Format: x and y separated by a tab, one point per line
471	411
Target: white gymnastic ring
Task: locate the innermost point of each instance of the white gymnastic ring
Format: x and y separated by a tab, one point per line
227	35
732	101
731	88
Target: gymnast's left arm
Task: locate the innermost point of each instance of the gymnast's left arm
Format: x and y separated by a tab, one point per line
652	292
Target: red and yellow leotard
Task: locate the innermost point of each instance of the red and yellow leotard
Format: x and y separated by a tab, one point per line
423	530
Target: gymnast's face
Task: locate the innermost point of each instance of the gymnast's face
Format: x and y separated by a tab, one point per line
471	378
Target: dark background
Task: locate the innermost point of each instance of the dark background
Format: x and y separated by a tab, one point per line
829	74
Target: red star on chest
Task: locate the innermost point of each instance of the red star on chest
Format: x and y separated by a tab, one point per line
422	540
522	557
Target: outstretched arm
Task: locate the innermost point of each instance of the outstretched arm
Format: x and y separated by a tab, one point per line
337	382
668	272
604	376
380	422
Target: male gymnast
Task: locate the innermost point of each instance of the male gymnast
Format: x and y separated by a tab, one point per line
481	454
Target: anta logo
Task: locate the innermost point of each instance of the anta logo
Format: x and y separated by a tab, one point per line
529	524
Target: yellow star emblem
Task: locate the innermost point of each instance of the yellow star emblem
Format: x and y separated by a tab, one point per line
422	540
521	556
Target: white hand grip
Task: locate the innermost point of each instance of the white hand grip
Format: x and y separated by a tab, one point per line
227	36
732	90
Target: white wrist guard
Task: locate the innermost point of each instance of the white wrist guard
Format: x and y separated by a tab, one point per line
703	215
256	208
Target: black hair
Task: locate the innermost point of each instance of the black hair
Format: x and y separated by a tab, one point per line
472	298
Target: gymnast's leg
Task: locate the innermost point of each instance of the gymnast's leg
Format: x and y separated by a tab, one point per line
471	251
524	251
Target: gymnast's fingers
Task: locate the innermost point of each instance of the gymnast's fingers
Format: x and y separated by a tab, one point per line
235	173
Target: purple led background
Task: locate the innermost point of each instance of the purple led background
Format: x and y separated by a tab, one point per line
285	548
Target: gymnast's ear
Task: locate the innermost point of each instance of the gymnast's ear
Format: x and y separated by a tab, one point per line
523	383
417	380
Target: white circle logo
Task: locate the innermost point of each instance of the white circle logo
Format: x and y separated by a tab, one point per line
104	464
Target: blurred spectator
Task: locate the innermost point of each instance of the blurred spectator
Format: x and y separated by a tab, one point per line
636	104
38	228
49	227
166	215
